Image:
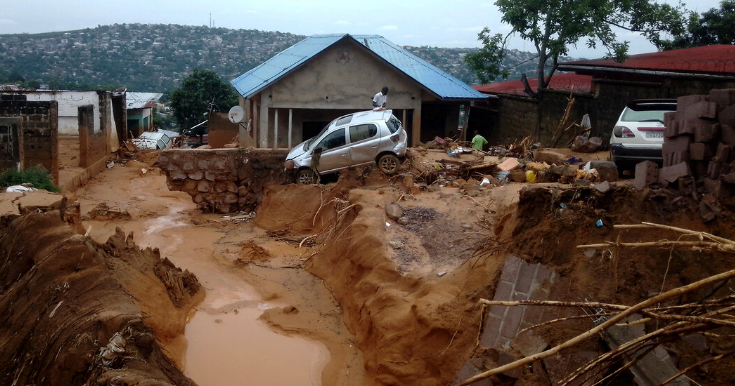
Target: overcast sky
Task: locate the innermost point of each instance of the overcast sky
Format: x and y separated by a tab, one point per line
440	23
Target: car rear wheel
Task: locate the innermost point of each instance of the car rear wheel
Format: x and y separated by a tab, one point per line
305	177
388	163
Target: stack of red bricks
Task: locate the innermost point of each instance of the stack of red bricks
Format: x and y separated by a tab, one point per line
699	145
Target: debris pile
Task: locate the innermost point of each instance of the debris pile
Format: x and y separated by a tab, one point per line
698	149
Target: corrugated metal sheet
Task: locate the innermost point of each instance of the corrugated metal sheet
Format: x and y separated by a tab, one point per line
139	100
715	59
565	82
432	78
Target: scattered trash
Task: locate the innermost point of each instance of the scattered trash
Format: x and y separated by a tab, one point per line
530	176
501	176
602	187
111	165
114	348
484	182
574	160
599	223
563	206
20	188
442	273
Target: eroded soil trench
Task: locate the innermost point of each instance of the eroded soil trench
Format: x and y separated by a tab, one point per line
326	286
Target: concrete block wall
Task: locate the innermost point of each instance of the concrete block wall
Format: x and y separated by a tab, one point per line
518	118
224	180
38	133
519	281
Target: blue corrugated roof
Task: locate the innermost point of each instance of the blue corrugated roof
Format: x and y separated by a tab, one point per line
432	78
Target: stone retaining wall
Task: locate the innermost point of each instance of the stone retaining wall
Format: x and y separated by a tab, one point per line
224	180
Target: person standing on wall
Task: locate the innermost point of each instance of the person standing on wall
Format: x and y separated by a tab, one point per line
478	141
380	99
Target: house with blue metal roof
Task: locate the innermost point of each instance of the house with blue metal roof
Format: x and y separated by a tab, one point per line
293	95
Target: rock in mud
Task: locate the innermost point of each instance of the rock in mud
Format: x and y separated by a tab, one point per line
393	211
396	244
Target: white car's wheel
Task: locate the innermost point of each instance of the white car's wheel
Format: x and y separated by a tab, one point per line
305	177
388	163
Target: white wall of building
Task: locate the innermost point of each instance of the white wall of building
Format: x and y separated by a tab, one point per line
69	102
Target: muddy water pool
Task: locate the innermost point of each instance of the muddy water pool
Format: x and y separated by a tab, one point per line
225	343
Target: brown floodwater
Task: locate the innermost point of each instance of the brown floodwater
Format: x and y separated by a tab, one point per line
225	343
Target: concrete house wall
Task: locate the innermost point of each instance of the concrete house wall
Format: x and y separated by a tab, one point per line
340	80
69	102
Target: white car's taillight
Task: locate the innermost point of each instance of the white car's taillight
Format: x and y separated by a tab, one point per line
623	132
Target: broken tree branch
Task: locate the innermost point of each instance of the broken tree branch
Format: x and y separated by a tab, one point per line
610	322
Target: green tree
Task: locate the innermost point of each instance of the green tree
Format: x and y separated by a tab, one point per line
200	93
555	25
716	26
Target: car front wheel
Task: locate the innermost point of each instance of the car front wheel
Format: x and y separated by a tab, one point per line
305	177
388	163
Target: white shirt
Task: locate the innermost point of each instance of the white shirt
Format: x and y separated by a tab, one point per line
379	100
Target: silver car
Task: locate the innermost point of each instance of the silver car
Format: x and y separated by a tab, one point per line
351	140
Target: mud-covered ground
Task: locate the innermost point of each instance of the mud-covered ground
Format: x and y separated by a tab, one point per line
394	301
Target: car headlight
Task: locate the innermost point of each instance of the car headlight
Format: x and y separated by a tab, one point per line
623	132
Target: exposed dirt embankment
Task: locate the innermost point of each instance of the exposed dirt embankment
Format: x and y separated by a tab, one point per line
74	311
412	330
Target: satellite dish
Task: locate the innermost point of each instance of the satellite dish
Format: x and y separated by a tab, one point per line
236	114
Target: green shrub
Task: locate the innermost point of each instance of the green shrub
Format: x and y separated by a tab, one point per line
38	177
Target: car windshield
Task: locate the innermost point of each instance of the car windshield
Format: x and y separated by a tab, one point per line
309	141
649	112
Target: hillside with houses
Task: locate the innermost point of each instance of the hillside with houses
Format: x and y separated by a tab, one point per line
156	57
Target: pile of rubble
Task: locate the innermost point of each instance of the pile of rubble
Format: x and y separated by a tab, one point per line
698	149
431	170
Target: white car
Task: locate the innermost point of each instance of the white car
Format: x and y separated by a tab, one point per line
351	140
639	133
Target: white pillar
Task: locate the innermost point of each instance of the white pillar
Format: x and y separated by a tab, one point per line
275	130
290	128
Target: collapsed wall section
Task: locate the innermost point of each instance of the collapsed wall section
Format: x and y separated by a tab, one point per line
224	180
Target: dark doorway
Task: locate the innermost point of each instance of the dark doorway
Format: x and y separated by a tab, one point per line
9	146
313	128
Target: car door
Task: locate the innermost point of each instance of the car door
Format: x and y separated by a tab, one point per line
334	151
364	142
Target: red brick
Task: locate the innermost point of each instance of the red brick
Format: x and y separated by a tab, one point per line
714	169
700	151
701	110
679	143
672	159
723	153
670	124
670	174
646	173
722	97
683	102
727	134
718	188
727	116
706	132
